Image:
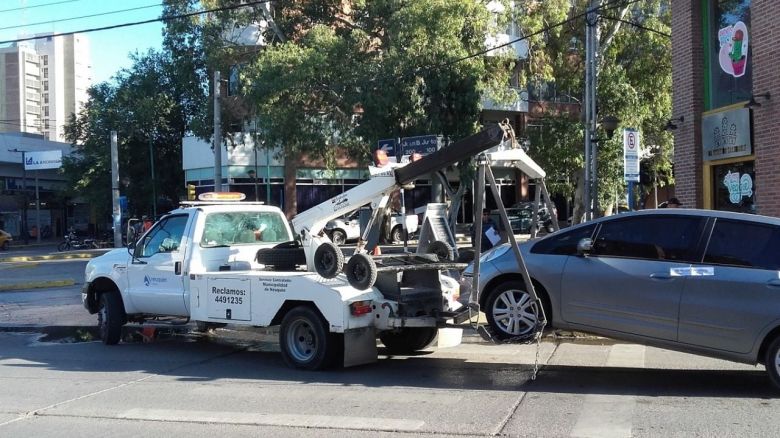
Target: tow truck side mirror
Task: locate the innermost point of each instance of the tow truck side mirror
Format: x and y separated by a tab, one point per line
584	247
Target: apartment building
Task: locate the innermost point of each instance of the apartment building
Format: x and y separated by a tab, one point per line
42	83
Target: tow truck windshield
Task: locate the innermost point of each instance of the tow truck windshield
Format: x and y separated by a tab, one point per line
243	228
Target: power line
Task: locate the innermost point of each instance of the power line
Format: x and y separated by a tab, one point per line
637	25
37	6
138	23
60	20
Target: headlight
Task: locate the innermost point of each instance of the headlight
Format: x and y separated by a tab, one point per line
494	253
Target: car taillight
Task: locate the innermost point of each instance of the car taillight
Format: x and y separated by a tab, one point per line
358	308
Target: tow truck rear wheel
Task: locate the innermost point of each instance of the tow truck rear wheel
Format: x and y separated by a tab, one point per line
328	260
361	271
407	340
305	341
111	317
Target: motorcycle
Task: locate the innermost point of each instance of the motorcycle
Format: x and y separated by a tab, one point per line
73	242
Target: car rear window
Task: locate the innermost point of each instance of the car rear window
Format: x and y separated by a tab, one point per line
741	243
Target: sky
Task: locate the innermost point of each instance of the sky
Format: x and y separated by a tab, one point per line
109	48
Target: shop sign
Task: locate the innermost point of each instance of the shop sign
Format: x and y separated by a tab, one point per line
733	54
726	134
42	160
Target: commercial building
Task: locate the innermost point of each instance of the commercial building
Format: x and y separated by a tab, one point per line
55	214
725	88
43	83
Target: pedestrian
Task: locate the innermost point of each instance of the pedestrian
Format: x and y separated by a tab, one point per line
490	234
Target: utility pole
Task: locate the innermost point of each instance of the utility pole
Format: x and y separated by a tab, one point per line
591	116
154	180
217	134
115	191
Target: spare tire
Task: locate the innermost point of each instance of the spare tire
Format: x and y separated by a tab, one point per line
442	250
328	260
361	271
285	256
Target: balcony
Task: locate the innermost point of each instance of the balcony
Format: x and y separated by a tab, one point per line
517	103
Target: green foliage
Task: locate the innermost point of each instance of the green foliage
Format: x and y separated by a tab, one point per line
634	84
146	104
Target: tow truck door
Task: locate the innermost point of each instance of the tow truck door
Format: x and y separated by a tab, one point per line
155	281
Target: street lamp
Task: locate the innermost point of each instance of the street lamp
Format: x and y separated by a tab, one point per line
253	174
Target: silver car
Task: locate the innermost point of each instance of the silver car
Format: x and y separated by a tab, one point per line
699	281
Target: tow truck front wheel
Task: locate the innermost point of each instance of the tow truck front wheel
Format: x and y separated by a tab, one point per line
111	317
407	340
305	341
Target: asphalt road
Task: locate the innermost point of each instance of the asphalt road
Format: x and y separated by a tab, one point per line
234	383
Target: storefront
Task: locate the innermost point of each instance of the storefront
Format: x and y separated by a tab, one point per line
724	81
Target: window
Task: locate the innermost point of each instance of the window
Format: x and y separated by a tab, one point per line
45	59
245	227
730	70
662	237
45	85
564	243
45	73
164	237
45	97
740	243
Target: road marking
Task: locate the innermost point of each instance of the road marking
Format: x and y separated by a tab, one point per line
37	285
606	415
19	265
283	420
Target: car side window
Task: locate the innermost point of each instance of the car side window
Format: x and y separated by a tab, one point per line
164	237
662	237
740	243
564	243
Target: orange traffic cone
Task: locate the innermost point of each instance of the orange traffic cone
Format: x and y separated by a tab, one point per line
377	251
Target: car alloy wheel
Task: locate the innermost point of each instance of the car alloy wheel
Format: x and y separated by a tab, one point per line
514	312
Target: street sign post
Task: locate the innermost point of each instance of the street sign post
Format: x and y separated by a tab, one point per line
631	155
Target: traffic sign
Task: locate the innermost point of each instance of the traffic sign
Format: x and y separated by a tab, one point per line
631	155
422	144
387	145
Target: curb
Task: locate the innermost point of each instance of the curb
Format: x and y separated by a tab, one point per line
37	258
37	285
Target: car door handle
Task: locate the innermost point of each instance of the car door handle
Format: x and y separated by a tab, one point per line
177	268
661	276
773	283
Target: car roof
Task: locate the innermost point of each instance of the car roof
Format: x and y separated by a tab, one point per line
693	212
228	207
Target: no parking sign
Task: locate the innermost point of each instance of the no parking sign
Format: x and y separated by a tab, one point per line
631	155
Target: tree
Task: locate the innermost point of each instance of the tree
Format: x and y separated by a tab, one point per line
348	73
147	106
634	83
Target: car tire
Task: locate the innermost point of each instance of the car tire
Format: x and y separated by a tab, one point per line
510	310
361	271
407	340
772	362
328	260
284	257
64	246
397	234
442	250
338	237
111	317
305	341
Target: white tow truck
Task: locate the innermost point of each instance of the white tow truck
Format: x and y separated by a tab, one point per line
222	263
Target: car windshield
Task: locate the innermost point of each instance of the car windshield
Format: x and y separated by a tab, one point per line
243	228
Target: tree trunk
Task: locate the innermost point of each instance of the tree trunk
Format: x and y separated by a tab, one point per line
578	212
290	179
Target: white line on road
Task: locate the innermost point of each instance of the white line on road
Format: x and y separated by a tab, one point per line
606	415
282	420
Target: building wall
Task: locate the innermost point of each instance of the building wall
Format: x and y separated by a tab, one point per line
688	99
695	183
766	123
21	95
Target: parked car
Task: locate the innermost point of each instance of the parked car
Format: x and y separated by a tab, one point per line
5	238
699	281
520	218
346	229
